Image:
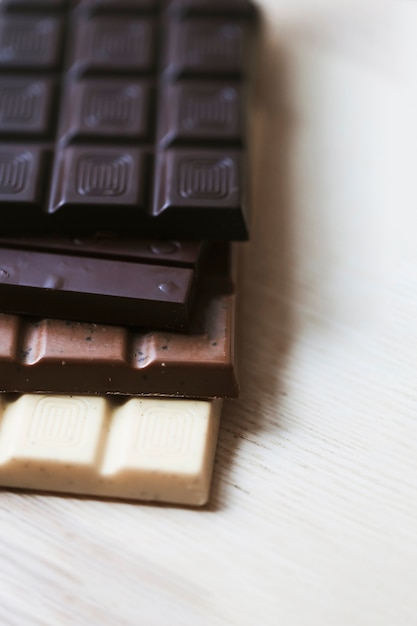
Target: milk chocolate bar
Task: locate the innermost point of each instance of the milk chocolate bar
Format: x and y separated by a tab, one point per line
47	355
71	280
126	117
149	449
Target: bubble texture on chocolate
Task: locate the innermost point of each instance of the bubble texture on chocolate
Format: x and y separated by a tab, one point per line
125	116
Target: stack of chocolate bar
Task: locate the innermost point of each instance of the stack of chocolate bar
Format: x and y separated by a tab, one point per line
123	132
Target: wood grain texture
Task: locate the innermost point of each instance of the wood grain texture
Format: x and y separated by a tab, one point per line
313	514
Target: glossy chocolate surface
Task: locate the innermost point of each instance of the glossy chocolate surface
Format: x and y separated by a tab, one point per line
148	284
127	117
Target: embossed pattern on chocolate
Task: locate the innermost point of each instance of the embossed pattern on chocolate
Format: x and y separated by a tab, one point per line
135	111
203	113
148	449
28	44
25	107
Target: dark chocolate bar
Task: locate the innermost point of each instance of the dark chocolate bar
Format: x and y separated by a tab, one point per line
162	252
73	281
125	116
46	355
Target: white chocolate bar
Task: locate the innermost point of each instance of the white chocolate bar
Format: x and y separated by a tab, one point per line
142	449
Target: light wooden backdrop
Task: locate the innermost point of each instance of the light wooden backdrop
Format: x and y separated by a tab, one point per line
313	516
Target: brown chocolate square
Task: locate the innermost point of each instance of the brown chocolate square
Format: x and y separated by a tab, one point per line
29	43
106	110
206	47
96	179
117	6
34	5
198	179
106	45
25	107
201	7
20	175
201	112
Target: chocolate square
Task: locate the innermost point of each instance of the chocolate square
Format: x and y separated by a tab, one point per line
29	43
20	176
106	110
35	6
117	6
90	180
25	107
201	112
206	47
198	179
106	45
201	7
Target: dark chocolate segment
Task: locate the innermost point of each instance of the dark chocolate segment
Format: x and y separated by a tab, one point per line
210	7
25	107
21	170
35	6
29	43
205	177
90	181
206	47
113	45
203	181
201	113
106	110
119	6
94	289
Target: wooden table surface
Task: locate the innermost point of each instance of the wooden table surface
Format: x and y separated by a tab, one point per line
313	514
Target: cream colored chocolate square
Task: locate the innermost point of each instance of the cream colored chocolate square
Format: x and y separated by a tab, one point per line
52	442
162	449
147	449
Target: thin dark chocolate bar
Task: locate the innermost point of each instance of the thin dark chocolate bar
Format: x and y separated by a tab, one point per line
158	252
125	116
67	357
75	282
